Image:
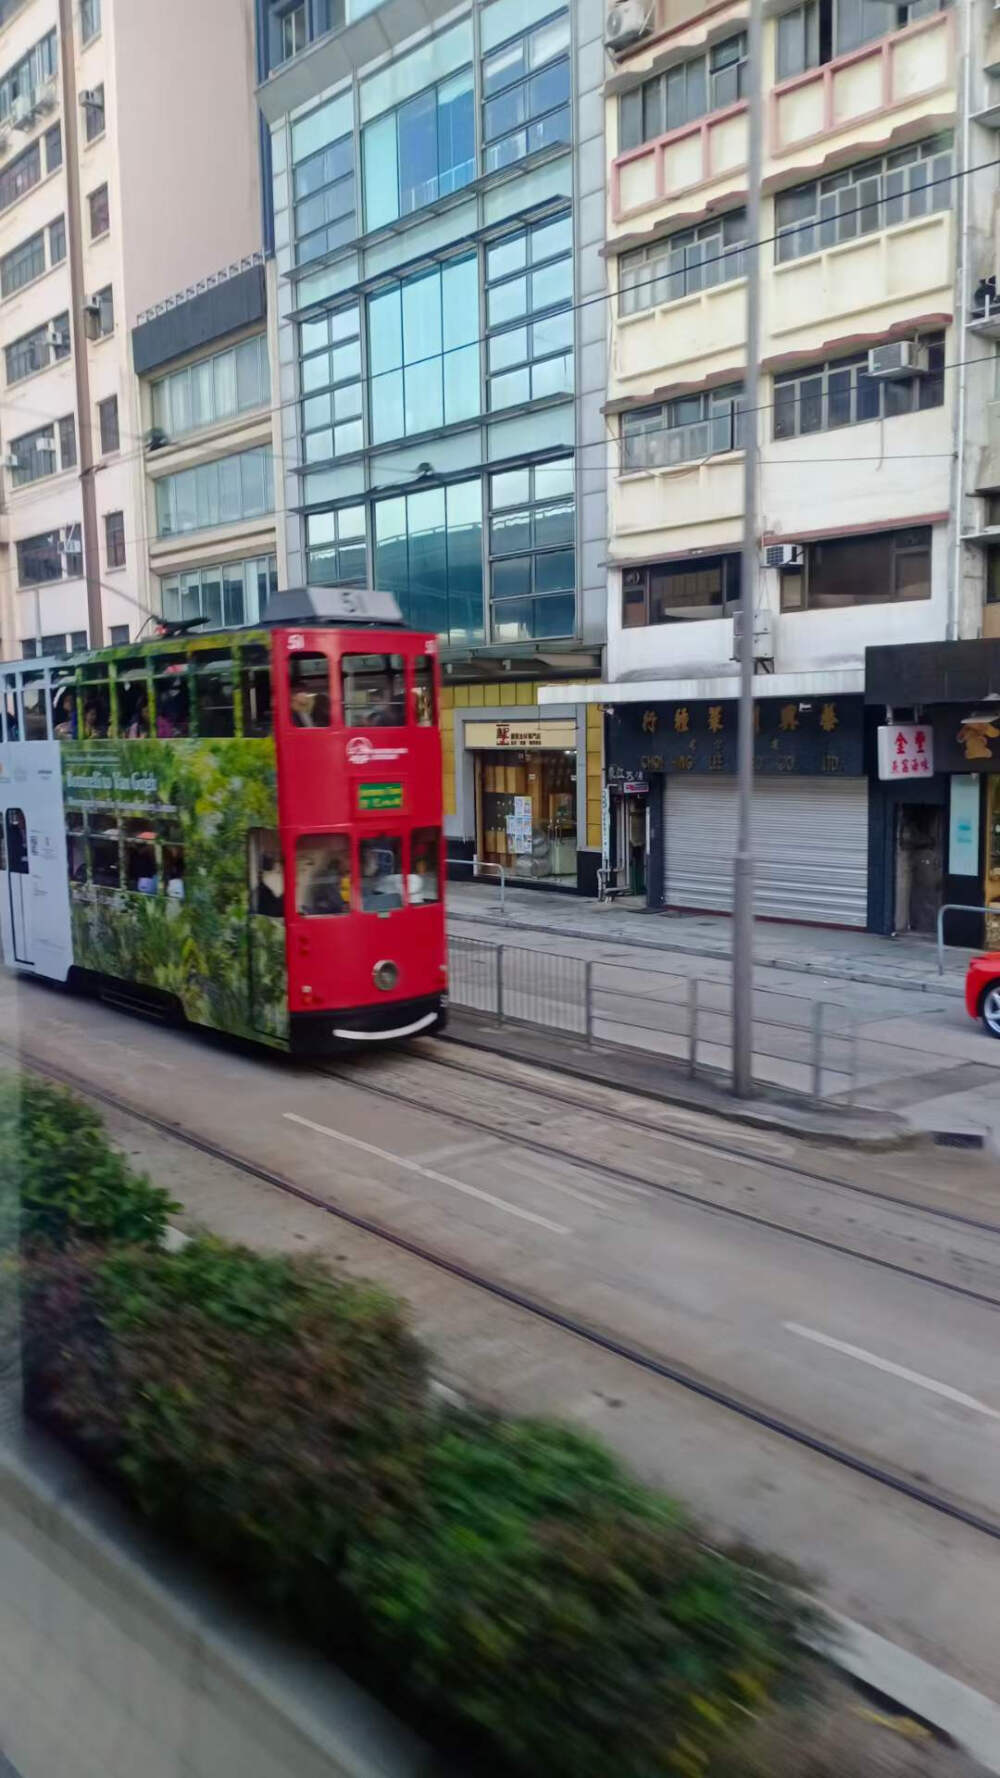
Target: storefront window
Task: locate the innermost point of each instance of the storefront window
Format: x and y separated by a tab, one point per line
526	812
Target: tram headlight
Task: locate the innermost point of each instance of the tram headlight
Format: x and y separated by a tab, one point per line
385	975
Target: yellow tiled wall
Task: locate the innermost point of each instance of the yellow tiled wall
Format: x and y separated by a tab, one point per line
595	772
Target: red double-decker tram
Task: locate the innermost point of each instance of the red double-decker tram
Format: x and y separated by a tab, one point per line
359	808
242	826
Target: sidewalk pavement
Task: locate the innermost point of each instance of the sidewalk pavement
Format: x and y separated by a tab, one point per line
914	1052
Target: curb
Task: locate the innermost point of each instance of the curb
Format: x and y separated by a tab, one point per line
966	1716
867	978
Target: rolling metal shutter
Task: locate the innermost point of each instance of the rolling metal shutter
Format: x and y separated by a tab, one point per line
810	841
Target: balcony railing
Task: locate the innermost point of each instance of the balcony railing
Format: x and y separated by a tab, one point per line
653	445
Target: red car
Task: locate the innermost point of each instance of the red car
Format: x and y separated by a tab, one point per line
982	991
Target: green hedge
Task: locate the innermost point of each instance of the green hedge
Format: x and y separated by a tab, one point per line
505	1578
61	1180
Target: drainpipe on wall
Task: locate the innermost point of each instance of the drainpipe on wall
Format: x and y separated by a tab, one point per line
81	365
963	208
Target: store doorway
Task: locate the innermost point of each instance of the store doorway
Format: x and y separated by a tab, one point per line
919	867
631	840
526	813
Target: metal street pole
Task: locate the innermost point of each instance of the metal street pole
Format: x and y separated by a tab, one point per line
743	863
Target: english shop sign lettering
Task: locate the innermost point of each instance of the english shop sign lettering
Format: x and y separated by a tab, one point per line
821	737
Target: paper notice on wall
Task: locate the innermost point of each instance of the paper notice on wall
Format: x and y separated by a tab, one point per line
521	820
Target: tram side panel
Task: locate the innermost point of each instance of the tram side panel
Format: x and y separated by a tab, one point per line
35	920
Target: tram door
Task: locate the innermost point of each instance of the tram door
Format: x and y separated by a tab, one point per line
18	882
266	985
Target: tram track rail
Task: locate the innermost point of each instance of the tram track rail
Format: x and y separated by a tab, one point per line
909	1487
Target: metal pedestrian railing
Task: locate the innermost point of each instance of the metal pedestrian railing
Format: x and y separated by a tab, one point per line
482	867
954	907
802	1045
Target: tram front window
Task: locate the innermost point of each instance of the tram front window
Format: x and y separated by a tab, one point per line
425	866
381	875
323	874
374	690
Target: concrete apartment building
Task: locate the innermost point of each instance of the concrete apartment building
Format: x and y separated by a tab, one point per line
877	429
437	175
128	169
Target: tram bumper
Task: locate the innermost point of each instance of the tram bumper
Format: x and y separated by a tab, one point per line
360	1027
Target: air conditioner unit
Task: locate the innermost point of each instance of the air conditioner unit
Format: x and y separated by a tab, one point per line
783	555
628	23
763	634
47	96
55	336
91	99
899	358
22	111
45	447
10	461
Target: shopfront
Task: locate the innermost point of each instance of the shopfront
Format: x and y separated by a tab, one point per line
950	825
525	777
810	804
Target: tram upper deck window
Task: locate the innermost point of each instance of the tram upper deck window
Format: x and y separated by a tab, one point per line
374	690
132	691
214	691
309	690
423	691
33	706
12	727
256	680
381	874
95	698
63	694
323	874
171	697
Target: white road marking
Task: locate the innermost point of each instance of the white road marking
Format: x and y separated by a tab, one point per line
556	1185
398	1160
894	1370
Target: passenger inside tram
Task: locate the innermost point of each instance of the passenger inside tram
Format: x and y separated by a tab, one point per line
381	875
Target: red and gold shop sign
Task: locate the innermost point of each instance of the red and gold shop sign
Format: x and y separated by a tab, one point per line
522	736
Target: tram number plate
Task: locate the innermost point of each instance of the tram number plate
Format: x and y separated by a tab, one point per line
380	796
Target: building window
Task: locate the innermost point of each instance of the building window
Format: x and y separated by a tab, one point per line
19	175
681	95
681	431
53	148
90	19
843	394
118	636
57	241
67	442
687	591
526	93
813	34
696	259
529	295
93	113
323	186
114	539
100	218
49	556
532	555
24	79
78	640
219	493
293	32
213	389
424	148
879	569
107	418
33	455
335	545
423	357
101	323
34	350
875	194
332	425
429	552
22	264
230	593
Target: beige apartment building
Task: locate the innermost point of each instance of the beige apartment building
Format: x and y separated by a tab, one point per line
876	416
128	171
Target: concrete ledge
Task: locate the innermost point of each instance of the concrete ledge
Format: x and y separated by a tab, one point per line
967	1716
115	1659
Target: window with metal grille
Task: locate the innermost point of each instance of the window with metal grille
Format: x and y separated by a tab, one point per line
40	558
67	441
28	74
813	34
859	200
19	175
34	350
529	295
842	393
683	430
679	96
57	241
22	264
695	259
526	93
532	553
34	455
93	114
114	539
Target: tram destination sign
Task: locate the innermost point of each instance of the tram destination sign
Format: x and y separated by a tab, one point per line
380	796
